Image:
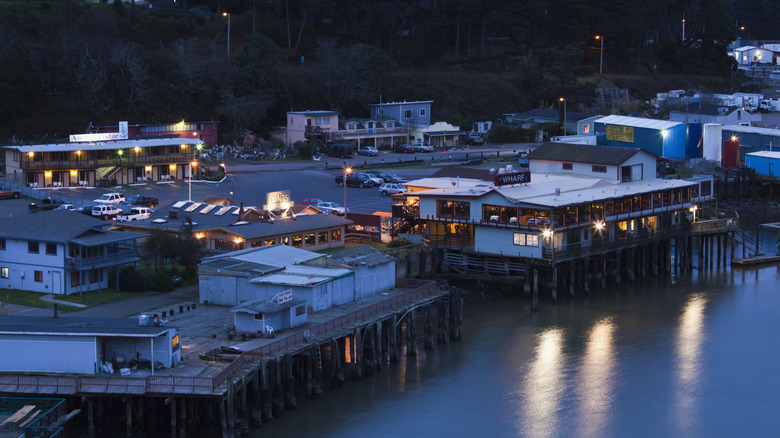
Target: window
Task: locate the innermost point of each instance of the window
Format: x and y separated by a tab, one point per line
300	310
453	209
599	169
2	244
257	243
499	213
258	316
51	248
269	242
309	239
322	121
335	235
3	272
32	247
39	276
175	342
586	128
286	240
408	114
422	112
74	279
297	241
322	237
567	166
526	239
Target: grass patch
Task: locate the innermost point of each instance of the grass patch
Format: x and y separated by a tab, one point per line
89	299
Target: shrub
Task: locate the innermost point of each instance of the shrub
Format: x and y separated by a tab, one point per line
397	243
161	281
132	280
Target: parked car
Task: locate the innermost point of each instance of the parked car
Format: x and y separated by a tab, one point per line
376	179
391	189
397	179
10	194
386	177
135	214
69	207
110	198
45	204
403	148
473	138
367	150
422	147
331	207
340	150
355	180
106	211
141	200
311	201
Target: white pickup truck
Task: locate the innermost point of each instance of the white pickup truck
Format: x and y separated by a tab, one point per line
135	214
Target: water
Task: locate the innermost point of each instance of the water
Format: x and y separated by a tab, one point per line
698	358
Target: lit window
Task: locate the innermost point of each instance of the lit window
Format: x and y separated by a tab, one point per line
39	276
3	272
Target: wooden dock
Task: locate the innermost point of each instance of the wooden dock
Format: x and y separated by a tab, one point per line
755	261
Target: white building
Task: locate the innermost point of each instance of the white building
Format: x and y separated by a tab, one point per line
61	252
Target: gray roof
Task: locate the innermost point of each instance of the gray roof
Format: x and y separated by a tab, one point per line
39	325
707	109
463	172
552	114
59	226
580	153
362	256
266	306
208	217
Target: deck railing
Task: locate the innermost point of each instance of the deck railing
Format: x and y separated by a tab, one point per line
162	384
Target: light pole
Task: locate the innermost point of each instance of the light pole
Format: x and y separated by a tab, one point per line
344	181
193	165
601	51
683	28
693	211
549	234
563	122
226	14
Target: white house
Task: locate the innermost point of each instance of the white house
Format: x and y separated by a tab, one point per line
266	316
606	162
299	123
748	55
81	345
61	252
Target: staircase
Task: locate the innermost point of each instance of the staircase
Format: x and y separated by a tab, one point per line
752	246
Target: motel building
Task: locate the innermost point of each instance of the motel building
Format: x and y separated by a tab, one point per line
102	159
576	205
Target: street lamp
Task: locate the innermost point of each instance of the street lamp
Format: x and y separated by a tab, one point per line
550	236
193	165
344	181
563	122
225	14
693	211
683	29
601	60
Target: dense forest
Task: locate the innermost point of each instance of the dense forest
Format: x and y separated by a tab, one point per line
67	64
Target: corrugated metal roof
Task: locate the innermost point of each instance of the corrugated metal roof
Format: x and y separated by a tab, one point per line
752	130
765	154
279	255
362	256
638	122
297	275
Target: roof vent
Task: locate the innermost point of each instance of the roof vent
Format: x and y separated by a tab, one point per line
173	214
557	191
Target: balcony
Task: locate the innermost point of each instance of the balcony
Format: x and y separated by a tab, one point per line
129	159
111	259
371	133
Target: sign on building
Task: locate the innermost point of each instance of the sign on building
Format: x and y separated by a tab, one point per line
278	201
505	179
284	297
623	134
104	136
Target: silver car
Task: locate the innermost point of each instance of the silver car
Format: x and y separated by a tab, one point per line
391	189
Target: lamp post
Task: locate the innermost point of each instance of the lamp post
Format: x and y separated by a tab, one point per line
549	235
226	14
344	181
683	38
193	165
693	211
601	52
563	122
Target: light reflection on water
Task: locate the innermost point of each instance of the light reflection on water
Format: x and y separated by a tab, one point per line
595	379
543	385
695	358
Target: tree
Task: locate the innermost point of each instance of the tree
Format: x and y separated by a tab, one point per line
189	248
159	247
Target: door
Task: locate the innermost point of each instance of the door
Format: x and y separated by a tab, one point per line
56	282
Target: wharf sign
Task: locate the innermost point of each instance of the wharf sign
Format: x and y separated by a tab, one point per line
505	179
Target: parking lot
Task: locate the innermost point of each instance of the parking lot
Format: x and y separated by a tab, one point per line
249	181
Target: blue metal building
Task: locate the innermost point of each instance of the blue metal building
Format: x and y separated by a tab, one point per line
752	139
765	163
660	137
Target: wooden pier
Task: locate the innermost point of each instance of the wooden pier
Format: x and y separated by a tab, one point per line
263	382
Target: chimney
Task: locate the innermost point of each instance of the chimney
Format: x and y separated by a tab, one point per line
241	212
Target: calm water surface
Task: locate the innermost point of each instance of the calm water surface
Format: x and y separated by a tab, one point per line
698	358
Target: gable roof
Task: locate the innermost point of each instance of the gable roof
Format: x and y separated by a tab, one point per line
57	226
266	306
463	172
580	153
638	122
553	114
362	256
